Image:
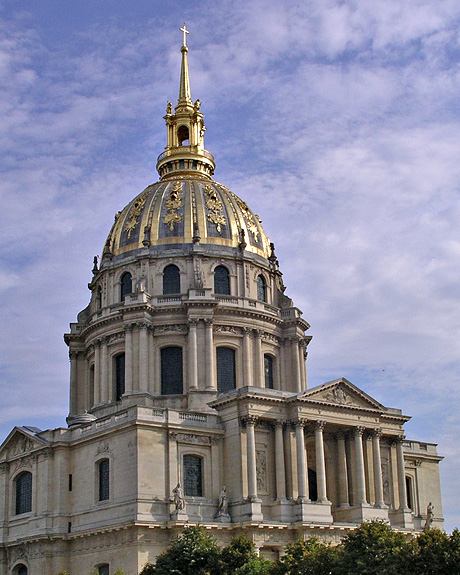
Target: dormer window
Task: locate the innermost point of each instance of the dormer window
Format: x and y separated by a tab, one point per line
183	136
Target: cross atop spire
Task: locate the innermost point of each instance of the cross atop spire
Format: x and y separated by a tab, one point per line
185	31
184	87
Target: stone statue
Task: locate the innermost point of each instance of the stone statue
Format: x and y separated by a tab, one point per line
169	108
429	516
223	501
178	498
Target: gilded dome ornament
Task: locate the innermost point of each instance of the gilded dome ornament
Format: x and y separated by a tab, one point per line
173	203
215	206
135	212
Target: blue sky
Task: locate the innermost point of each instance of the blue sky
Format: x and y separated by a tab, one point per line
338	122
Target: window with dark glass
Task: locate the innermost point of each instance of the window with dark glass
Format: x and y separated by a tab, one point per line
193	476
409	492
261	288
171	280
171	371
126	285
268	369
221	280
226	380
22	570
119	376
24	493
312	485
104	477
103	569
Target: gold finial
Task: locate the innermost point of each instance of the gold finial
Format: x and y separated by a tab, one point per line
185	32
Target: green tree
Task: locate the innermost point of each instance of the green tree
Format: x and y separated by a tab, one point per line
434	552
194	552
309	557
239	558
372	549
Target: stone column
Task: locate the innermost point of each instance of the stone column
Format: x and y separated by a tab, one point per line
360	489
320	461
143	357
152	386
250	422
379	499
97	367
295	364
128	359
73	356
303	374
280	473
342	471
104	382
301	461
192	354
258	360
401	474
247	357
210	385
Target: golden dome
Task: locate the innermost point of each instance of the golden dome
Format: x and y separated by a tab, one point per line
186	206
186	209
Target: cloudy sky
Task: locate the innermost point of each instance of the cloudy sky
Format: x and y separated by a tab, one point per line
338	122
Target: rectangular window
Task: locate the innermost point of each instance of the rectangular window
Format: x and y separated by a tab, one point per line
104	480
268	368
24	493
226	381
119	376
70	482
193	476
171	371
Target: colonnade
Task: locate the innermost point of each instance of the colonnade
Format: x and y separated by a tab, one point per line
141	356
359	496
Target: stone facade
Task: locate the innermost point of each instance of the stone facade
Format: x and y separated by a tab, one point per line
294	461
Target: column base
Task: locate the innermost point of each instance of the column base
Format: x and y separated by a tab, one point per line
359	513
248	511
313	511
402	518
282	510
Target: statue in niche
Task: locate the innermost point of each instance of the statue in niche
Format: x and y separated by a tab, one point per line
223	502
178	498
429	516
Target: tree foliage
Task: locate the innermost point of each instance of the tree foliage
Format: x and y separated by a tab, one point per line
194	552
307	557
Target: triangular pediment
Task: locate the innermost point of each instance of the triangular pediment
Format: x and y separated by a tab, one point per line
341	392
21	440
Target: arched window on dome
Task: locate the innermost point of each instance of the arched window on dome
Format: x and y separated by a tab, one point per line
103	569
23	493
20	569
268	371
172	380
183	136
171	280
261	288
226	372
119	379
221	281
126	285
193	475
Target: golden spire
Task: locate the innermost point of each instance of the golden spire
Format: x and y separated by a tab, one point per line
185	96
185	152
